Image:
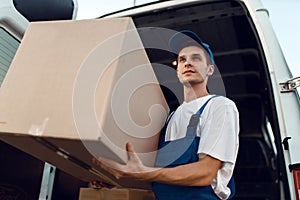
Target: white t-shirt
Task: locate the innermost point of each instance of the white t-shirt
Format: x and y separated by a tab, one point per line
218	130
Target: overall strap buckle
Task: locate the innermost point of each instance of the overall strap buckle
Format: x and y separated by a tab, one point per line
194	120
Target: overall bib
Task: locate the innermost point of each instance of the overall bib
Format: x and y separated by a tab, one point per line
179	152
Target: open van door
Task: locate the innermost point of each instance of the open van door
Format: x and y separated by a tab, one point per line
286	100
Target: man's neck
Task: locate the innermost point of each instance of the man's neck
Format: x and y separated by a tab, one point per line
193	92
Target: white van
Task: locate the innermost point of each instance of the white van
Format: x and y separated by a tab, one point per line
255	76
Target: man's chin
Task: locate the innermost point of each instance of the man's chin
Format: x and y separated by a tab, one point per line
190	82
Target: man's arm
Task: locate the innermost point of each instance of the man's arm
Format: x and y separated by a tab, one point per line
200	173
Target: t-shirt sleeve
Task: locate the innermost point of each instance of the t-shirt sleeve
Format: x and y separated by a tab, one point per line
219	133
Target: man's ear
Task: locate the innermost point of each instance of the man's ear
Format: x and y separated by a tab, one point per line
211	69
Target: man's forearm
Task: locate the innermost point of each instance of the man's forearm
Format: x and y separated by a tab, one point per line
199	173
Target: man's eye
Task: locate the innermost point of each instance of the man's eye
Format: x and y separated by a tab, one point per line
181	59
196	58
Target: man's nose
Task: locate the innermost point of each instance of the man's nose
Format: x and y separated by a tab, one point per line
187	63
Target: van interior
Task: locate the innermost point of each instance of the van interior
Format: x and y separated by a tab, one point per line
229	30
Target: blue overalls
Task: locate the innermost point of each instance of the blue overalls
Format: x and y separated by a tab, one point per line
179	152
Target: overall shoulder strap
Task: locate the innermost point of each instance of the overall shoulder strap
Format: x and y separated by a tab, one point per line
170	116
194	120
164	129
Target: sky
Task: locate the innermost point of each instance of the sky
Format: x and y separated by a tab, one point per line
284	16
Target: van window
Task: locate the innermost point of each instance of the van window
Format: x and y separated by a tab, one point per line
8	48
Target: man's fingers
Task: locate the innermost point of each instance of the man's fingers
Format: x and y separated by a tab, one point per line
129	147
130	151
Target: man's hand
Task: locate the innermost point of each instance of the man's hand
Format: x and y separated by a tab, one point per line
199	173
134	168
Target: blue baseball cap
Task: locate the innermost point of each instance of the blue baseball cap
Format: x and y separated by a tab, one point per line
186	38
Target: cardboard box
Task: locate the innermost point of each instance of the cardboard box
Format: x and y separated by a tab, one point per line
115	194
82	89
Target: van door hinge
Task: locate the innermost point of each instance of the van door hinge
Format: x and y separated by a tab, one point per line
290	85
285	143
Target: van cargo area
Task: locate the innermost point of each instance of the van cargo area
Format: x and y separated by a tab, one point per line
229	30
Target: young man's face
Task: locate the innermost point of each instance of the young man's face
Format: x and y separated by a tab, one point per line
192	66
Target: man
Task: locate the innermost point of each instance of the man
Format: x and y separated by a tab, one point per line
199	144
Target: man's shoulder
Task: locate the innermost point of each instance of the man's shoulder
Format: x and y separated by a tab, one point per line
223	101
